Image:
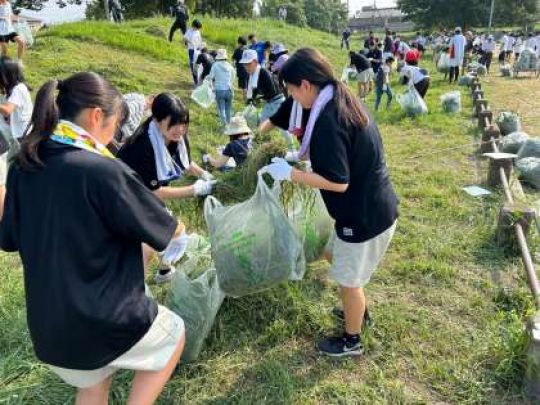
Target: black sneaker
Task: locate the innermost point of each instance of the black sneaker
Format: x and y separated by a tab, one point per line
339	347
368	321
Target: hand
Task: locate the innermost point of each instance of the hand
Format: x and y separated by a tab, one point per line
206	176
202	188
149	101
175	250
205	158
385	87
292	156
279	169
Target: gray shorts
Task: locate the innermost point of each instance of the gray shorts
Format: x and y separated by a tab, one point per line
353	264
366	76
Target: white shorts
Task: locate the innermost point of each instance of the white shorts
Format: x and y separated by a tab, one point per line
366	76
3	169
353	264
151	353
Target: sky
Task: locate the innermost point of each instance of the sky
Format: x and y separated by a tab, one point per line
51	13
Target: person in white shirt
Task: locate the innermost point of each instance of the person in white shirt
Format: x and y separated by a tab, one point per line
414	75
488	47
530	43
7	32
519	45
194	42
508	45
457	54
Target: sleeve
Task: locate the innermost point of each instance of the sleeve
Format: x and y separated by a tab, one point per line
282	116
16	96
135	212
141	160
332	160
9	237
229	150
136	103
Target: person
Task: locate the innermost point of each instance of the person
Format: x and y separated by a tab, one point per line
238	148
181	17
222	74
507	45
400	48
370	41
531	42
415	76
193	40
388	45
263	85
382	83
345	38
115	10
457	54
241	73
347	158
519	45
204	63
365	73
91	201
488	47
7	32
375	56
260	47
281	55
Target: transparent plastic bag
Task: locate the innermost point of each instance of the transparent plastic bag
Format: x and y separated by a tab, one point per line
204	95
508	122
513	142
196	297
529	148
451	102
443	65
254	246
23	29
529	169
251	115
412	103
349	75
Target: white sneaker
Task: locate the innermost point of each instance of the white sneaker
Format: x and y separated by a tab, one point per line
164	275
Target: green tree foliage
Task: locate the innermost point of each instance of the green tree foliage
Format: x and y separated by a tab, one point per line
467	13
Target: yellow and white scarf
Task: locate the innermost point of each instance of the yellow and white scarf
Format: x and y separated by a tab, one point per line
68	133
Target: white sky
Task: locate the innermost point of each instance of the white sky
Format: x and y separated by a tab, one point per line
51	13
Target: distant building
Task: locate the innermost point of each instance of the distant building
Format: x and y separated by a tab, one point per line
370	18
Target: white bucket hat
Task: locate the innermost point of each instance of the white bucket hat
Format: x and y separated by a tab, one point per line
237	126
279	48
221	54
249	56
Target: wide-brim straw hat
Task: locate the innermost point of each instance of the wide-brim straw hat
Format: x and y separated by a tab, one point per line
237	126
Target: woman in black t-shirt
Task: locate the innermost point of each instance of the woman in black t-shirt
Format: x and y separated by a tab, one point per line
347	156
241	72
78	218
159	151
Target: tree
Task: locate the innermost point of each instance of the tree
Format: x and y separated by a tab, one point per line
326	15
295	11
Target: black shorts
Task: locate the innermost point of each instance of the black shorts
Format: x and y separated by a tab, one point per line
4	39
243	81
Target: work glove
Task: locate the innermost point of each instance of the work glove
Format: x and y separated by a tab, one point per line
385	87
202	188
292	156
205	159
207	176
175	250
279	169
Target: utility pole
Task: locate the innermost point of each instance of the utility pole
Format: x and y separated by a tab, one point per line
491	15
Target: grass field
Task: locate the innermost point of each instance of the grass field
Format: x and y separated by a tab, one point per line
448	304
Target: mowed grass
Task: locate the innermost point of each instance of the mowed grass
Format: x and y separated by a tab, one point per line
448	304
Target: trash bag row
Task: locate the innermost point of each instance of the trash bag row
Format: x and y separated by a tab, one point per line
451	102
508	122
480	69
528	60
466	80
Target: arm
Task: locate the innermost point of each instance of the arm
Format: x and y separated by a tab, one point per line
315	180
172	193
195	169
218	162
266	126
6	109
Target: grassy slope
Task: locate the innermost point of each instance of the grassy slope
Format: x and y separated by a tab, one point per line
446	330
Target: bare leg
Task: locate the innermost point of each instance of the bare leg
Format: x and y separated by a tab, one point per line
21	45
148	255
354	306
2	199
96	395
147	385
4	49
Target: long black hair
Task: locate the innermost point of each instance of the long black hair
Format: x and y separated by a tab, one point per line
310	65
11	74
165	105
76	93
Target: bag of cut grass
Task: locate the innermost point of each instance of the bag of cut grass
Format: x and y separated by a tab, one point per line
466	80
529	169
251	115
23	29
412	102
196	297
254	246
349	75
506	70
530	148
527	60
305	209
443	65
512	143
480	69
204	95
451	102
508	122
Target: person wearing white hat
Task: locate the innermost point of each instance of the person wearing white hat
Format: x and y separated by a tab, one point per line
488	47
280	55
238	148
222	74
263	85
457	54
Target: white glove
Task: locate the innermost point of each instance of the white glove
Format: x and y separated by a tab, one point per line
202	188
279	169
205	158
175	250
385	87
206	176
292	156
220	149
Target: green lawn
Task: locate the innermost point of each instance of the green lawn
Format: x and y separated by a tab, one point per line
448	304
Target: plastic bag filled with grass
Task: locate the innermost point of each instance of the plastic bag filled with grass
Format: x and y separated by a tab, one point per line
204	95
412	103
254	245
466	80
508	122
196	297
252	116
529	148
529	169
513	142
451	102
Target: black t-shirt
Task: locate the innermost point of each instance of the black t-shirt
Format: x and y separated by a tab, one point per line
267	86
206	61
283	115
360	62
180	13
388	44
237	57
139	155
78	225
354	157
238	150
377	55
